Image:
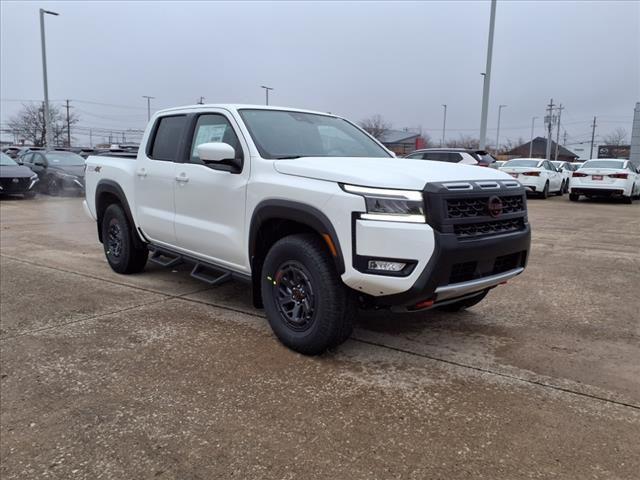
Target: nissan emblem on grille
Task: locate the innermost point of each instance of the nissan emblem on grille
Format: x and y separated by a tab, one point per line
494	206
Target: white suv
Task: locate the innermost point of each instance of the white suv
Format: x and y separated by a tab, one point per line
312	212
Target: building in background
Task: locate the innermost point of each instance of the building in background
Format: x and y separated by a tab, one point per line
540	151
401	142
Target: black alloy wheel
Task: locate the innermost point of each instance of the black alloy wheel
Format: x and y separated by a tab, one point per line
294	295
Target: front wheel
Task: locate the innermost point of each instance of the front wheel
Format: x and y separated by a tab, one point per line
53	187
308	307
122	253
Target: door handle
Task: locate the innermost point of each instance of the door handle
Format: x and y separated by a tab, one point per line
182	178
141	173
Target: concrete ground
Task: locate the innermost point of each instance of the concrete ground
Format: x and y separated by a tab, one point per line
158	376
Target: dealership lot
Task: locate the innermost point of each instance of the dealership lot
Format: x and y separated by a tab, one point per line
159	376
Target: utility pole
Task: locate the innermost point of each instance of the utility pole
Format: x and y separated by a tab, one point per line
487	79
500	107
266	91
201	101
549	121
560	108
47	118
564	139
593	136
91	138
148	106
68	126
533	121
444	124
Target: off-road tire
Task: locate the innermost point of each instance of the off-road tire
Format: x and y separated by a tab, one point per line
574	197
463	304
330	307
122	253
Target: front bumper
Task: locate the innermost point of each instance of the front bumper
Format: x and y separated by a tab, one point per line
470	248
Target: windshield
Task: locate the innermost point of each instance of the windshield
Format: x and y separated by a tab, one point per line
522	163
6	160
556	163
286	134
603	164
64	158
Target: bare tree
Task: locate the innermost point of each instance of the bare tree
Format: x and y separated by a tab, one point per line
510	144
463	141
29	124
617	137
375	126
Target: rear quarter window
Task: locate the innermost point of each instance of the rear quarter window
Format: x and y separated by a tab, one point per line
167	138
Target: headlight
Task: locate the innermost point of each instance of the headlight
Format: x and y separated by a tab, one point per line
34	177
390	205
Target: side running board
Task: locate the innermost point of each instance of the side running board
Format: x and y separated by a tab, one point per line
165	259
212	276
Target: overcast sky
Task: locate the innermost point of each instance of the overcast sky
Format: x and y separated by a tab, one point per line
401	60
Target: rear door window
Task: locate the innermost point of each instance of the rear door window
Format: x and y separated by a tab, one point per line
455	157
168	138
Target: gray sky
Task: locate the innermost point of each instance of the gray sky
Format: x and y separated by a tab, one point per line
398	59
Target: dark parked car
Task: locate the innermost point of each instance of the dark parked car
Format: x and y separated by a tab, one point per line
11	151
16	179
59	172
468	156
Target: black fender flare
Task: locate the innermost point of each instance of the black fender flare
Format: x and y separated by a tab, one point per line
113	188
300	213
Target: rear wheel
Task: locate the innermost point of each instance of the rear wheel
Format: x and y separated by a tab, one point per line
574	197
628	200
308	307
462	304
545	191
122	253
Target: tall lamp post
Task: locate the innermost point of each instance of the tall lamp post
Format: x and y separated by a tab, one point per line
533	122
47	120
266	91
487	79
500	107
444	123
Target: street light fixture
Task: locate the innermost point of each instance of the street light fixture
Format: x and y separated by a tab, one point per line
47	118
444	123
500	107
266	91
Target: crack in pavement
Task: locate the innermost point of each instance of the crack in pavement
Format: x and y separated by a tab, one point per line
183	296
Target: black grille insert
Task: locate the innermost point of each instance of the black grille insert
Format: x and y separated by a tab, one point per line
463	272
472	230
477	207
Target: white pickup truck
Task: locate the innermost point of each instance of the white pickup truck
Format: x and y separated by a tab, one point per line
315	215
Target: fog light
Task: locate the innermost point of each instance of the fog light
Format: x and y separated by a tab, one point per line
385	266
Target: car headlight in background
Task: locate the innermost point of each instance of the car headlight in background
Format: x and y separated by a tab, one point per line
390	205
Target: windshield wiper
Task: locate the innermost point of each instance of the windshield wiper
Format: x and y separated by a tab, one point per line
287	157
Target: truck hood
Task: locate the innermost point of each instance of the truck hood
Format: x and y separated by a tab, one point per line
385	172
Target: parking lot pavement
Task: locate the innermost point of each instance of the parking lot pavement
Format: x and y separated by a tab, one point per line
159	376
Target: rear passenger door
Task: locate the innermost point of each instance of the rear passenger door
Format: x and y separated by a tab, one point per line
210	198
155	179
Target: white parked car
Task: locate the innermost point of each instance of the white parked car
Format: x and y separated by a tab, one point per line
566	169
605	177
536	175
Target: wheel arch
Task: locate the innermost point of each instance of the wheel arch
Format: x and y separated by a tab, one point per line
274	219
109	192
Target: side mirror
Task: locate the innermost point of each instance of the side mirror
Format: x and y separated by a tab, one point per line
39	163
215	152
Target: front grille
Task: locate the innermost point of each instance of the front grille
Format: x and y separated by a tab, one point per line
477	207
473	230
9	186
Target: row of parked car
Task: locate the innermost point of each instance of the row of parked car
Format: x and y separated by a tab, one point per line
593	178
28	170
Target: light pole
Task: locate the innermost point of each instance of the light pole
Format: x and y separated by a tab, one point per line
533	122
266	91
500	107
47	119
444	124
148	106
487	79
